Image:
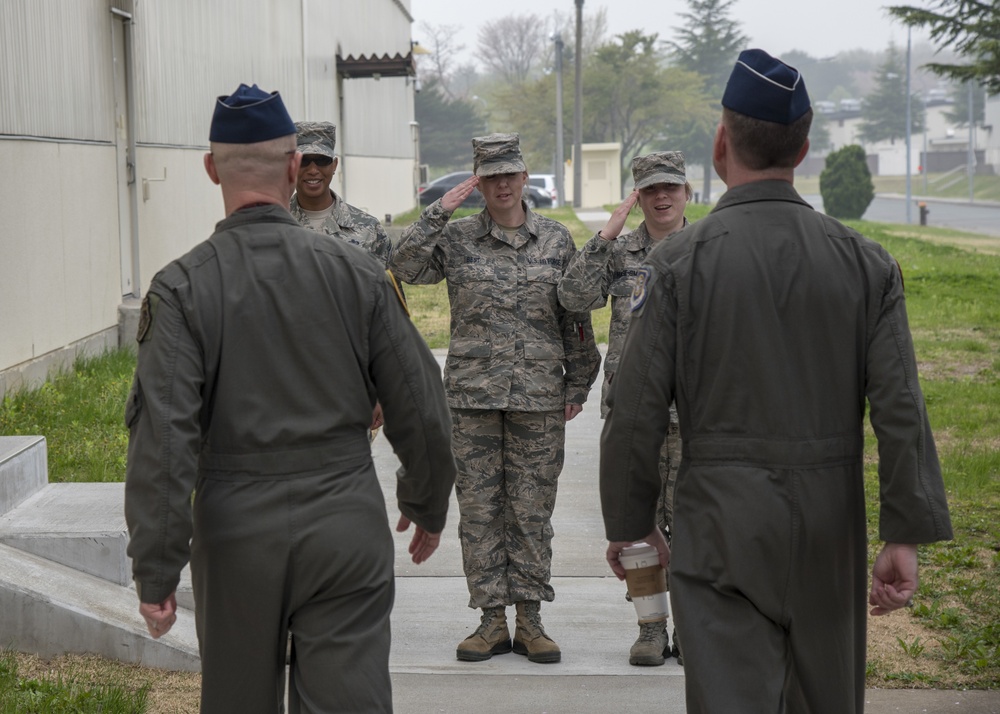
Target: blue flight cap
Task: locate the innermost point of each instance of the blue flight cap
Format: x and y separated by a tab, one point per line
763	87
250	115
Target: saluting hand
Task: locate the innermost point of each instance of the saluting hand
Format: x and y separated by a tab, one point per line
613	228
454	198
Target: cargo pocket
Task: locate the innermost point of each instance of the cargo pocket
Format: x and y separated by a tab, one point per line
466	369
544	369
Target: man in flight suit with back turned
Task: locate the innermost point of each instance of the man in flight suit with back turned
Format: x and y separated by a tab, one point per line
261	355
772	324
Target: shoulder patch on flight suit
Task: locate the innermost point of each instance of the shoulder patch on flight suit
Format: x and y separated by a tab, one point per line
146	314
640	289
399	291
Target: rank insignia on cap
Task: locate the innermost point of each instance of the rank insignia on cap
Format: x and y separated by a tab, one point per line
641	287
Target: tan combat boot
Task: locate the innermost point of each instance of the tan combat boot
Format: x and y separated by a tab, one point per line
490	638
652	647
529	636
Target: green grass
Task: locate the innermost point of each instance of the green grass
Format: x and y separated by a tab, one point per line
75	695
954	309
81	415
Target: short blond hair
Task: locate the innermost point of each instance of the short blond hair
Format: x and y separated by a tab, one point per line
243	165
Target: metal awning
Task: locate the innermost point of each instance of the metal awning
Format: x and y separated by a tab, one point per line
351	67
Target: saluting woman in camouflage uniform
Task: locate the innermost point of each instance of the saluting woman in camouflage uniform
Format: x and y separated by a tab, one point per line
519	367
607	267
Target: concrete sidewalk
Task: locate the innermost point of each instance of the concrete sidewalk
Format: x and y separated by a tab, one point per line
589	618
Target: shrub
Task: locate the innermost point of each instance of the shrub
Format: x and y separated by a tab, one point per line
846	184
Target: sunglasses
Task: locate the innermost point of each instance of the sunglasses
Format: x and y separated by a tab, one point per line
317	159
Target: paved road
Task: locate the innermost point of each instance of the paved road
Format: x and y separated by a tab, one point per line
945	213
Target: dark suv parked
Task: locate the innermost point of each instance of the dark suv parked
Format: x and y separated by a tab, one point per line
430	192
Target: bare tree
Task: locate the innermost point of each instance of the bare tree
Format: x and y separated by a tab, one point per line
443	50
595	34
512	47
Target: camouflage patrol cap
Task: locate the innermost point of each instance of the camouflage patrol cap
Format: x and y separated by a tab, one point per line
658	167
497	154
316	137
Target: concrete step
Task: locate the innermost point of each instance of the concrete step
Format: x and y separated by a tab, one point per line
82	526
51	609
23	469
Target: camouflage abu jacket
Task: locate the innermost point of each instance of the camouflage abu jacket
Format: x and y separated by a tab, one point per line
604	268
353	225
513	346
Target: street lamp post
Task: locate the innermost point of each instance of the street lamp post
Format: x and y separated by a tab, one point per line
578	110
909	101
971	160
560	160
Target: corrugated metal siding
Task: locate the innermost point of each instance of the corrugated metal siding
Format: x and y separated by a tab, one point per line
190	51
56	77
376	27
377	116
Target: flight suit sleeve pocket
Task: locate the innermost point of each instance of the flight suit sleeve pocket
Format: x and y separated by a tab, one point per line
133	405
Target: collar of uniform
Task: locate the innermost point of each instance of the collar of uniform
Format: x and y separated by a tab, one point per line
272	212
341	211
769	190
638	239
486	223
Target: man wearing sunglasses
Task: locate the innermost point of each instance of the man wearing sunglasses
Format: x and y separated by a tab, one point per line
315	205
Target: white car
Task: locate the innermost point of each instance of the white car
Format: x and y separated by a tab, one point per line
547	183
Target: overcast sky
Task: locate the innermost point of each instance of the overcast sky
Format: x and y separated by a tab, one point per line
821	28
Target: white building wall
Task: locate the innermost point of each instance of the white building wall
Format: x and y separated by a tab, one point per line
61	256
991	135
55	71
59	273
940	133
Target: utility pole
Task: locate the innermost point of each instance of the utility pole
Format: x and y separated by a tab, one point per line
560	160
909	100
971	160
578	110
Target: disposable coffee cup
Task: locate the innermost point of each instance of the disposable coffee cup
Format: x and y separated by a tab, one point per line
646	580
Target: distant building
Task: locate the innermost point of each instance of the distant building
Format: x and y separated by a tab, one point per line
942	146
104	121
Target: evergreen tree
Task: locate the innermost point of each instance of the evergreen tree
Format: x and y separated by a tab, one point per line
969	27
846	184
883	115
446	127
708	43
959	112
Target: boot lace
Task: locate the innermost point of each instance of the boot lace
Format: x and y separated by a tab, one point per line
651	632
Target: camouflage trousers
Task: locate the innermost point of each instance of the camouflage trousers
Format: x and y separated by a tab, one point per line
670	462
508	466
